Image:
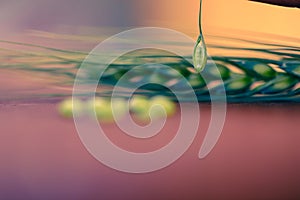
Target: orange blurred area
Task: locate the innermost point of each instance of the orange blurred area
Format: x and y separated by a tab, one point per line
231	14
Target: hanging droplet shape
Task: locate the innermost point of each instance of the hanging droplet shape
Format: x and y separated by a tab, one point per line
200	53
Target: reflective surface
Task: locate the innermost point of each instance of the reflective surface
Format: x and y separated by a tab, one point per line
257	156
40	62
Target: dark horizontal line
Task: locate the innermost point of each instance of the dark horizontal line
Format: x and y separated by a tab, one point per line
286	3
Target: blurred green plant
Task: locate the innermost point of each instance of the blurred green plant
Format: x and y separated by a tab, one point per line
246	79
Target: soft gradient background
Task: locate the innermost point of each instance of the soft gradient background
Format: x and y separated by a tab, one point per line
177	14
230	14
41	156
